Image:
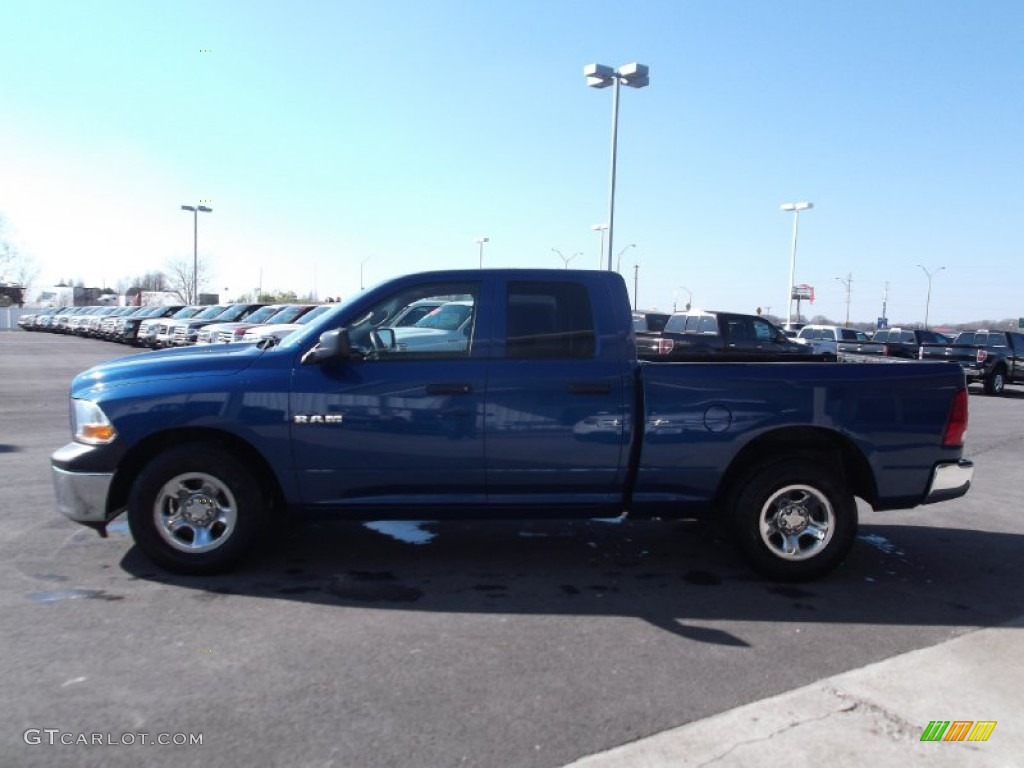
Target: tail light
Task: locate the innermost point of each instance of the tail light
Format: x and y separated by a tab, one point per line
956	423
665	346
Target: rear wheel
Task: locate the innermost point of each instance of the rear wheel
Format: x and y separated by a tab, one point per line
995	382
195	509
793	518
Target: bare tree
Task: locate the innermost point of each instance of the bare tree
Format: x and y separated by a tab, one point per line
150	281
180	279
15	266
8	253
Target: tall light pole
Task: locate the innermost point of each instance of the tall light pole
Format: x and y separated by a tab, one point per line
196	210
602	228
600	76
848	282
795	208
567	259
618	259
480	241
928	301
675	295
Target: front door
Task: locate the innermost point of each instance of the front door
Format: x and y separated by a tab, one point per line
397	425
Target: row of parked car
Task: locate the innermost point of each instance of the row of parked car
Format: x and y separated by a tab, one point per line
992	358
430	324
172	326
987	357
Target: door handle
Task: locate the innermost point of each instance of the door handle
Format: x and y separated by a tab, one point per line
449	389
589	388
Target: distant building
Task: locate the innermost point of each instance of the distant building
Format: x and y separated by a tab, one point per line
57	296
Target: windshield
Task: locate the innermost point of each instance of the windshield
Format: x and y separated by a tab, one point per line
210	312
287	315
849	334
234	312
314	313
263	314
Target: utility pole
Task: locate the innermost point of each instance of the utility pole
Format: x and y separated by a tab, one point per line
885	301
636	284
848	282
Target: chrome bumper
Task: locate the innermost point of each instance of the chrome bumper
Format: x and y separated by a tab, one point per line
81	496
949	481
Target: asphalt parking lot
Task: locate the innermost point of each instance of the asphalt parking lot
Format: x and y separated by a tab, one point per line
476	644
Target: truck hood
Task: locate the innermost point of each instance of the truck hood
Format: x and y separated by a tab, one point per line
184	362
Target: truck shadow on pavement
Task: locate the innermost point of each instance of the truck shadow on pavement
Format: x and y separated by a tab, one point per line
678	576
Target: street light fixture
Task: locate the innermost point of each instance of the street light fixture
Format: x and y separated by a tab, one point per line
618	259
928	301
600	76
795	209
480	241
675	295
567	259
196	210
600	254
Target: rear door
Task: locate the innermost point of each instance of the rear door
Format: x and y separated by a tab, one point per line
1017	356
558	400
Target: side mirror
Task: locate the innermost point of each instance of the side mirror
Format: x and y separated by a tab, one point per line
383	338
333	346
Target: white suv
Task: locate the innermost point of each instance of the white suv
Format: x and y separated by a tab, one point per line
826	338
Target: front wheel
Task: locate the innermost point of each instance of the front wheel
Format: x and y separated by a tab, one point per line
793	518
195	509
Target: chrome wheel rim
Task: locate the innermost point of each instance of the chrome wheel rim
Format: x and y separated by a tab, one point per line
195	512
797	522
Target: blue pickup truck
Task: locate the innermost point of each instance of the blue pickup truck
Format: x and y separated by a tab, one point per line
539	410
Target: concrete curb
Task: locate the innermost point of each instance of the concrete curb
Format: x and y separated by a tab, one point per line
874	715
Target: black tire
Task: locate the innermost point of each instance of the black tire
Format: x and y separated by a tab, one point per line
195	509
995	382
822	518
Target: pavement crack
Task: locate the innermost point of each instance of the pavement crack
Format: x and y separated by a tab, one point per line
895	727
769	737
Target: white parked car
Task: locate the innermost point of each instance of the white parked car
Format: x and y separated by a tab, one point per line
825	338
446	328
279	330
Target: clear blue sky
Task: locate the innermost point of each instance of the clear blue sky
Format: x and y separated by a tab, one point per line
327	135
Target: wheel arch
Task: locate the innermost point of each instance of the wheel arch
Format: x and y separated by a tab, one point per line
814	443
145	450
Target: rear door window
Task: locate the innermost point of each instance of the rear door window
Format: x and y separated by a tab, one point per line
548	320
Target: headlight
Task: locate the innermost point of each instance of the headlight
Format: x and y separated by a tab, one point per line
89	424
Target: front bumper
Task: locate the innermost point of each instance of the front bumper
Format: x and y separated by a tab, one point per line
949	481
82	496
